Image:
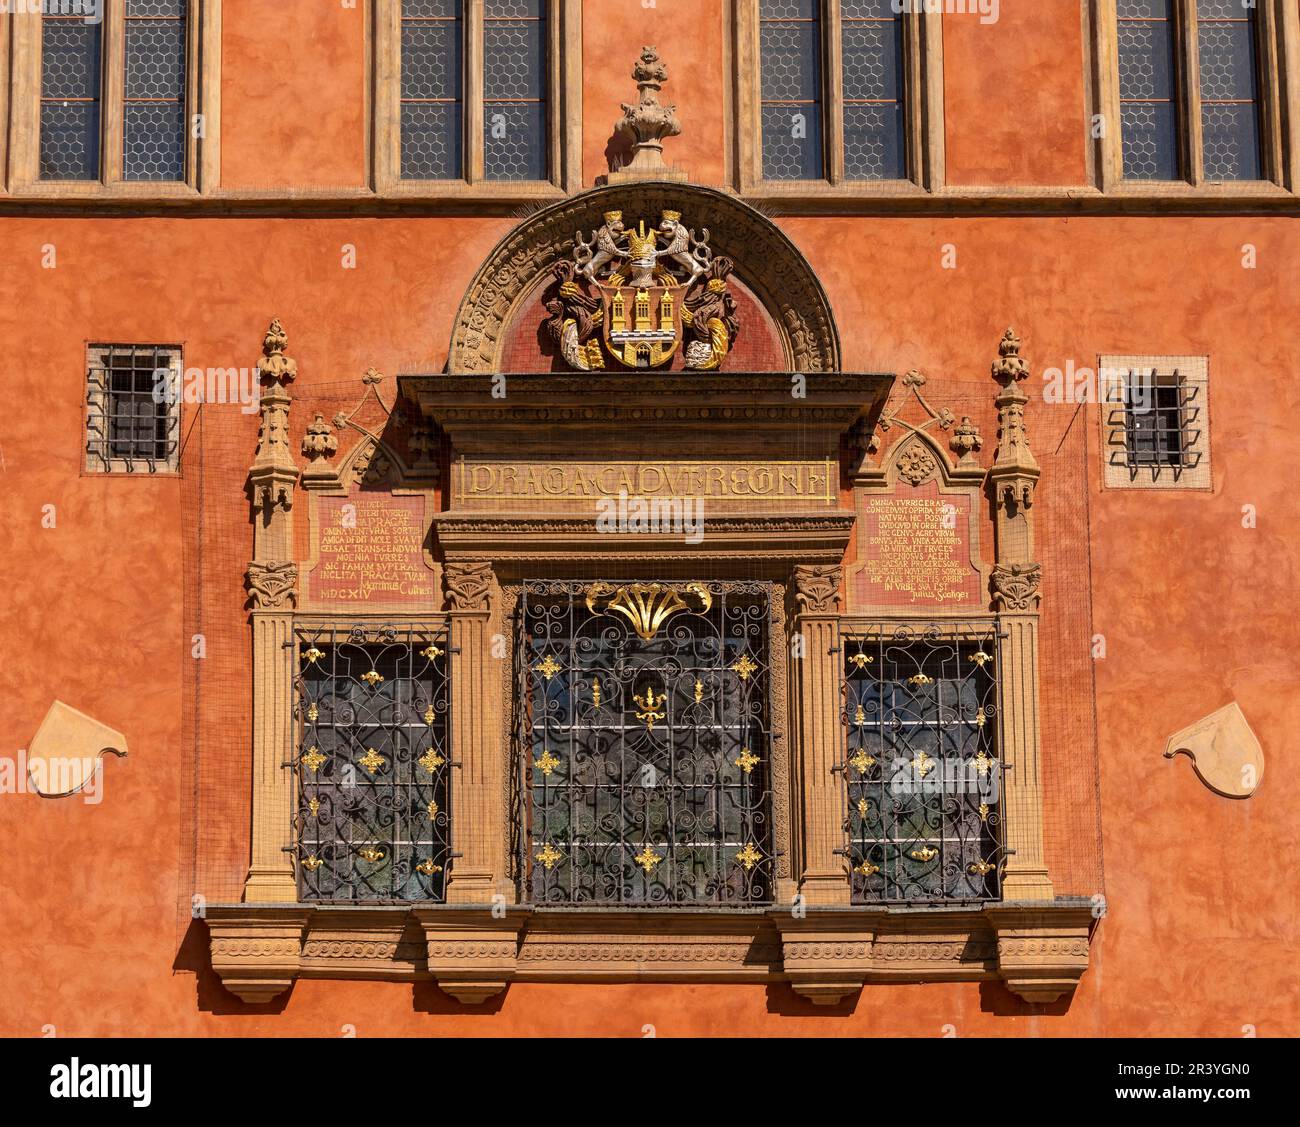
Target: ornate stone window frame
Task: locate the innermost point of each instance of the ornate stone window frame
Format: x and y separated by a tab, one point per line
1278	55
564	111
202	98
923	108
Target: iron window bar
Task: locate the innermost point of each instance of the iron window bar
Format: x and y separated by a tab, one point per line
1154	429
921	770
643	744
372	761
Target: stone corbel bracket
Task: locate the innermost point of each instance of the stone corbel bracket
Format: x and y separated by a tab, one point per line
826	954
1039	953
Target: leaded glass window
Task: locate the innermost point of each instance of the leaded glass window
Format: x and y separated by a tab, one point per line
132	407
1157	95
922	768
874	112
152	67
1229	89
511	90
514	89
790	35
373	763
644	743
1148	83
432	89
153	126
70	97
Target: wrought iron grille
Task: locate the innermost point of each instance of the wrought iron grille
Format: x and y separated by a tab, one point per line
129	425
923	775
372	763
644	743
1156	428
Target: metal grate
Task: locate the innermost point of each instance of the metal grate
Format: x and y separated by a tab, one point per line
132	407
373	761
790	36
1157	427
432	89
644	743
1149	124
70	98
923	777
872	55
153	116
514	89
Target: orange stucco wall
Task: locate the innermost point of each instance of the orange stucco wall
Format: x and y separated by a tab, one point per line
1194	607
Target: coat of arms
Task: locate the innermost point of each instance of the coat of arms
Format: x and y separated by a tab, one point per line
638	295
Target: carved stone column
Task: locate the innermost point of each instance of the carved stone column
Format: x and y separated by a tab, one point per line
1016	598
272	589
815	714
478	870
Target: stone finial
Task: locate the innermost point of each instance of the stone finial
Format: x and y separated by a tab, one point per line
966	441
319	443
1009	367
276	368
646	123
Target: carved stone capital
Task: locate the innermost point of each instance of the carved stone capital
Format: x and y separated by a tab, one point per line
1015	587
468	587
816	588
272	586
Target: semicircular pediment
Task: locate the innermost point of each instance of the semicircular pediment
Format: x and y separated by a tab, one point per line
683	276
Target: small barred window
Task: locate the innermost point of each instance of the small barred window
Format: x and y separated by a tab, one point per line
1155	421
373	763
132	408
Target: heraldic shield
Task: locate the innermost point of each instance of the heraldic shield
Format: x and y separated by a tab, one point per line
644	293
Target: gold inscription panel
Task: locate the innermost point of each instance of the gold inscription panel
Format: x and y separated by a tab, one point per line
370	553
732	483
916	551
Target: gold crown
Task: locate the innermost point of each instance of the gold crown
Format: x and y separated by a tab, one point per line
613	216
672	216
641	244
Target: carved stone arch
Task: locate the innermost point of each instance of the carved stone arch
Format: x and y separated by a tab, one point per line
766	261
916	458
372	463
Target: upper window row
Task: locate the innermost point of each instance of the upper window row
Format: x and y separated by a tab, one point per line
838	92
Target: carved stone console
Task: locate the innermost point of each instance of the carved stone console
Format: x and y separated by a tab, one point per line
1039	951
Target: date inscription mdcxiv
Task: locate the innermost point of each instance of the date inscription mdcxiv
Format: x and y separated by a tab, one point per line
737	483
370	550
916	551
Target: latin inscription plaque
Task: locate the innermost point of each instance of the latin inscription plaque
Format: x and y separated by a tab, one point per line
915	551
370	553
